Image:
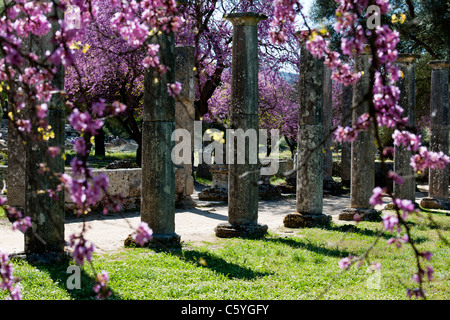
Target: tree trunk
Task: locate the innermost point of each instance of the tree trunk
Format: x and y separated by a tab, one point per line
100	144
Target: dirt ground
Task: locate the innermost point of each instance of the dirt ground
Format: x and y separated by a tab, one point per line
195	226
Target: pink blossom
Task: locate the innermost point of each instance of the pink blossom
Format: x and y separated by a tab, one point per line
7	280
99	107
80	146
174	89
407	206
22	224
143	234
426	255
100	287
429	159
345	134
345	263
395	177
377	196
405	138
83	122
118	108
53	151
398	241
418	293
41	111
390	222
82	249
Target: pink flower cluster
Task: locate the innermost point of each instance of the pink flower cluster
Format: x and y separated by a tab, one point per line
407	139
429	159
419	277
20	223
100	287
284	13
33	19
7	280
82	249
174	89
135	21
83	192
84	123
143	234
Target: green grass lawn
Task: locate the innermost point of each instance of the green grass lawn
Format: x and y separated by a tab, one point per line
98	162
298	265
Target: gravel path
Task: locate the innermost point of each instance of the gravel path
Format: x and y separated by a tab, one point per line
194	226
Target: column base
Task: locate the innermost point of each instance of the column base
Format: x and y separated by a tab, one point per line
390	206
300	220
43	258
228	230
159	241
184	202
358	214
435	203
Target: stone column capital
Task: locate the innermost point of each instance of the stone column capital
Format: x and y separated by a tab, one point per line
407	57
245	18
439	64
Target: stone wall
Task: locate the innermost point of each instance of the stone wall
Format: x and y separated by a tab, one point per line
127	182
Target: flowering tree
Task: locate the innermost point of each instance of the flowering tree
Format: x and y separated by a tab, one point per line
351	25
32	80
277	103
109	67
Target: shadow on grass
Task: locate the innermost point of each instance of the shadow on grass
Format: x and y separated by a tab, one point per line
350	228
219	265
438	212
58	272
368	232
310	246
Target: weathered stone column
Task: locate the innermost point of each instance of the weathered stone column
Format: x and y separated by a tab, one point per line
243	178
402	156
346	121
47	214
16	166
309	145
184	119
158	170
439	125
363	149
327	124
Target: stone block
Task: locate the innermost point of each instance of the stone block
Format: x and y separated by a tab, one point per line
298	220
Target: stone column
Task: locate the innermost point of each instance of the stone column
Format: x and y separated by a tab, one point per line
346	121
243	178
402	156
16	166
439	125
47	214
363	149
184	119
309	145
158	170
327	124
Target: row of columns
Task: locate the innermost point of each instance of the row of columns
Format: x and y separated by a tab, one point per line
158	170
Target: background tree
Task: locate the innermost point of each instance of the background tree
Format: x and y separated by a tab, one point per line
110	67
423	31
